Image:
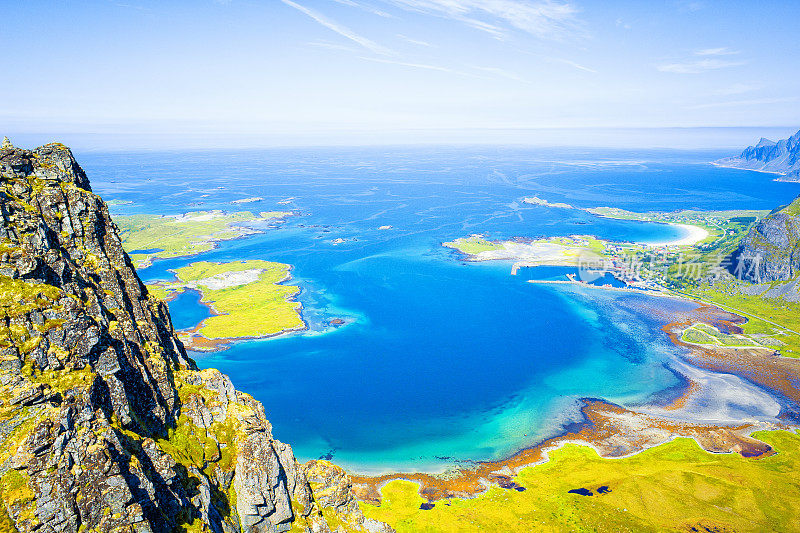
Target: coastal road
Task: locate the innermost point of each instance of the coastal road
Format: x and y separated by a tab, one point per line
733	310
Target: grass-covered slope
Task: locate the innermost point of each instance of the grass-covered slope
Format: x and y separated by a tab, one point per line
775	317
793	208
673	487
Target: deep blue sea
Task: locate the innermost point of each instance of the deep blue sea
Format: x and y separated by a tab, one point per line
440	361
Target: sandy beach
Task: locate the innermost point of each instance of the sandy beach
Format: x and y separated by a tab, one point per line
692	235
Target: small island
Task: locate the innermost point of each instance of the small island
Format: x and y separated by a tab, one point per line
149	237
702	228
553	251
248	298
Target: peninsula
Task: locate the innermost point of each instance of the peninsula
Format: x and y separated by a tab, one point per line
150	237
782	158
699	226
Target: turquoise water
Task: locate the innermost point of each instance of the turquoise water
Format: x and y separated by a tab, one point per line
187	311
440	361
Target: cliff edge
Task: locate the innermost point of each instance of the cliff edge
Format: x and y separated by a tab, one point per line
105	423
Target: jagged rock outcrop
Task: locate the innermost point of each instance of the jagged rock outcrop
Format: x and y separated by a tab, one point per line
771	249
105	423
782	157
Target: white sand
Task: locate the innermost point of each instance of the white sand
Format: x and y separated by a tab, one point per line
533	253
247	200
226	280
692	235
720	399
190	217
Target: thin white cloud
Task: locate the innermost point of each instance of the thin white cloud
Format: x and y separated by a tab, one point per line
493	71
368	9
130	6
341	30
413	41
699	66
545	18
690	6
738	88
722	51
741	103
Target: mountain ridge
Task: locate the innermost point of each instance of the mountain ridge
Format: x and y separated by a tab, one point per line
781	157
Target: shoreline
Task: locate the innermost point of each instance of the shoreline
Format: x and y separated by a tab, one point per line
212	241
694	235
614	432
603	426
204	345
608	428
780	175
723	165
195	342
648	292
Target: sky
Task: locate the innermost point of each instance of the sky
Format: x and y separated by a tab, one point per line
353	71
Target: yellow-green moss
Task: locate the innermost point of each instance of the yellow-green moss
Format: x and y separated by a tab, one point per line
18	297
6	524
17	494
675	486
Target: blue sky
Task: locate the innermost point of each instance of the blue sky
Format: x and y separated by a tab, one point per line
339	69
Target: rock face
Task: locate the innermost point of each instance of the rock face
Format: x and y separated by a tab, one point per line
792	177
105	423
771	250
782	157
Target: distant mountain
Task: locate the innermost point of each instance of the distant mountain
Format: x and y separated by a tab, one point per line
782	157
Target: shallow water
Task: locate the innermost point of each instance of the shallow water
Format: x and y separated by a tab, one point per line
440	360
187	311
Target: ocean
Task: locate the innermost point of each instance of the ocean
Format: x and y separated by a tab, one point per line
440	361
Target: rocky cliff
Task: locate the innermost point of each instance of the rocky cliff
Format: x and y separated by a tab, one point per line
771	250
782	157
105	423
